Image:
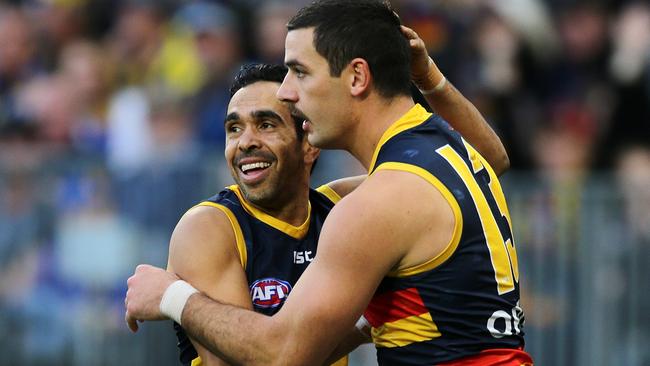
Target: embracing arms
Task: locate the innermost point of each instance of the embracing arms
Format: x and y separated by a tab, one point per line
363	239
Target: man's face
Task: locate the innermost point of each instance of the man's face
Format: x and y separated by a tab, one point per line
265	157
322	100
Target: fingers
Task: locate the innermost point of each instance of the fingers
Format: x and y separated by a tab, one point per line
414	40
131	322
142	268
408	32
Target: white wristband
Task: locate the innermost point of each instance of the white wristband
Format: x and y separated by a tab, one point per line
437	88
174	299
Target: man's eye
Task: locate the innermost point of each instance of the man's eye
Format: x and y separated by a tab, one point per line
299	73
234	129
266	125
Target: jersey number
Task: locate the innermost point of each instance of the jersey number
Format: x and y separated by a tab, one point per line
498	237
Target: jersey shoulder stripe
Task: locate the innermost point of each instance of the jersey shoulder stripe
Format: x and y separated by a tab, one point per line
328	192
458	225
239	235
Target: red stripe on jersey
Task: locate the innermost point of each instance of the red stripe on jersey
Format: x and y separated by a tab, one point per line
395	305
494	357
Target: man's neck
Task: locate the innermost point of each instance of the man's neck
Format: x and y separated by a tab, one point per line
292	207
377	117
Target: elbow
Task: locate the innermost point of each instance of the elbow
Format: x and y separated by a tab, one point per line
503	163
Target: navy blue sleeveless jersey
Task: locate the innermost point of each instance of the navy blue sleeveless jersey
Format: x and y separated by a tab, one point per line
466	300
274	254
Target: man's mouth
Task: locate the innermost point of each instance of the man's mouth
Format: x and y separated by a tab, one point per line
254	167
254	170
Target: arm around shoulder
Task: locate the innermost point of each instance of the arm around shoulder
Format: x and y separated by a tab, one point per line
360	242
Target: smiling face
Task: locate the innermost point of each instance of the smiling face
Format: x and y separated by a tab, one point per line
317	96
265	156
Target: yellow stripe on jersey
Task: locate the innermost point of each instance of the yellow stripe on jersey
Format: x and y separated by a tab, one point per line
400	333
296	232
415	116
328	192
341	362
474	157
239	235
458	226
501	253
499	197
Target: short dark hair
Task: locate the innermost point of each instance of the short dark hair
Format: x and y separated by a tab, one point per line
369	29
252	73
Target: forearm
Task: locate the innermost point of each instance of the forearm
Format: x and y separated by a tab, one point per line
236	335
451	105
207	357
350	342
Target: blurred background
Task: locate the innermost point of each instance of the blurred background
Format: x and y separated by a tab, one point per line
111	127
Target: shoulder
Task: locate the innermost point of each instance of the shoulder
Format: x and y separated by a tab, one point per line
204	220
207	251
398	215
379	207
206	233
404	203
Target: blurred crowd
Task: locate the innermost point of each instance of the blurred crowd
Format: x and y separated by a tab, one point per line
111	124
136	81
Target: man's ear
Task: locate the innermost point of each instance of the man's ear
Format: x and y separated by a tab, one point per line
310	152
358	76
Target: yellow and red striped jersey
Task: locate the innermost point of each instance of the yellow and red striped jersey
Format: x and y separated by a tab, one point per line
464	302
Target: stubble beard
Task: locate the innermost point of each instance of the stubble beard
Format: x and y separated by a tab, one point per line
260	195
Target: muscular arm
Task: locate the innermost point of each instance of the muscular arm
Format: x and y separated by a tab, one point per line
451	105
361	241
203	252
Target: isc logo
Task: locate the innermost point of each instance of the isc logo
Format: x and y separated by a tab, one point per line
302	257
269	292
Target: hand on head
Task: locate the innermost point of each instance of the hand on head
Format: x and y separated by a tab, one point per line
424	71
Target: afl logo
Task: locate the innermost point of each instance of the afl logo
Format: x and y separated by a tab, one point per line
269	292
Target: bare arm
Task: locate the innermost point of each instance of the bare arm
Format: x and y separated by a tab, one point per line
203	251
349	343
357	248
362	239
451	105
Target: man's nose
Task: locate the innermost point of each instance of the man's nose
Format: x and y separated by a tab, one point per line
286	92
249	140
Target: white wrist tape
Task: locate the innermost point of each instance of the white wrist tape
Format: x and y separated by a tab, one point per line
363	326
437	88
174	299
